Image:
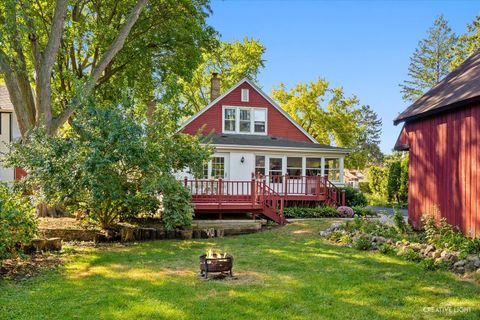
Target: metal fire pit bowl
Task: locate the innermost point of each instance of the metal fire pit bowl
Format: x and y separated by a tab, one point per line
216	263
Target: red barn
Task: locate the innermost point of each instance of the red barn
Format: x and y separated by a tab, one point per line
442	134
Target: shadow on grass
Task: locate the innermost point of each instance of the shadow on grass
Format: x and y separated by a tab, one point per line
280	274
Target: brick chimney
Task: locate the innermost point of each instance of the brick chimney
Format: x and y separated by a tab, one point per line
214	86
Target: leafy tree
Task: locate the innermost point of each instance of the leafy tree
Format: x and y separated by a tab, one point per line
232	60
367	145
17	221
393	180
55	53
431	60
322	111
403	192
378	180
467	44
111	165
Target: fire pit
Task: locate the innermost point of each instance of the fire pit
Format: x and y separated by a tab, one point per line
215	262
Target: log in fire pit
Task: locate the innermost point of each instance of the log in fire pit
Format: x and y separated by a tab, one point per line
216	262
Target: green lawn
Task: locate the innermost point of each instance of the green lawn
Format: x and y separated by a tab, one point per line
285	273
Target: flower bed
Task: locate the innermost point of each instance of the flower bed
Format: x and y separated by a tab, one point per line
438	246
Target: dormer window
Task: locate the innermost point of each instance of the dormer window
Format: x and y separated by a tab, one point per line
245	95
244	120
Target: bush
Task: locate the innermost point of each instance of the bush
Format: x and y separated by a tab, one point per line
354	197
363	212
364	187
345	211
399	221
362	242
386	248
319	212
17	221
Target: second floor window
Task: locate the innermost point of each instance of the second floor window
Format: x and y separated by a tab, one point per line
244	120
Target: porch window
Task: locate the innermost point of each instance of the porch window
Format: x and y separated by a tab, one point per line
245	120
314	166
332	169
260	165
205	170
218	167
229	119
260	119
275	167
294	166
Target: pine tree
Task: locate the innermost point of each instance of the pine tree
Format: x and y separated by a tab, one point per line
467	44
431	60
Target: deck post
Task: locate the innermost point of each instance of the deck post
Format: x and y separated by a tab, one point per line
285	181
253	189
343	197
220	192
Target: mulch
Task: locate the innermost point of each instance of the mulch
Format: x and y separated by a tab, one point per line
21	268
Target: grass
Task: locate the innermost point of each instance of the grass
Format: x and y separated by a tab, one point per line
284	273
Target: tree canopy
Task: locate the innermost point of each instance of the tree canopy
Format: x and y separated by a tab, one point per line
468	43
233	60
331	118
431	61
54	53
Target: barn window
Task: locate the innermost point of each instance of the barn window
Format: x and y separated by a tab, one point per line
332	169
245	95
229	119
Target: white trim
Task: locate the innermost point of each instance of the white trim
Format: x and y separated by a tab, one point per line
263	94
280	149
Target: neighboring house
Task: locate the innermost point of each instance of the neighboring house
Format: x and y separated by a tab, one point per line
253	137
353	178
442	134
8	132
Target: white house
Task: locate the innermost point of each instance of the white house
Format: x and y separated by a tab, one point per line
8	131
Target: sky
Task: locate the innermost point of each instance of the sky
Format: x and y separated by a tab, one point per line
363	46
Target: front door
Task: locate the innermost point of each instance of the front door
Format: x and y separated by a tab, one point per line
275	173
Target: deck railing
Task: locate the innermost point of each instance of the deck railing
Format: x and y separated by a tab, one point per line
228	191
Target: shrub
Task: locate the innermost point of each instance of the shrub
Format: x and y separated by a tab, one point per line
111	164
364	187
429	264
412	255
386	248
354	197
17	221
345	211
363	211
319	212
362	242
399	221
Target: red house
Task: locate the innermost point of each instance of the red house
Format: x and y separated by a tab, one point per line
263	159
442	134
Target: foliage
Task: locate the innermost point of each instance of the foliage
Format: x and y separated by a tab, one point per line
76	48
354	197
362	242
318	212
468	43
403	190
443	235
431	60
363	212
111	165
393	181
378	180
386	249
399	221
364	187
17	221
372	227
233	60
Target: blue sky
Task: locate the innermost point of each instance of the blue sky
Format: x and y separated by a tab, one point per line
363	46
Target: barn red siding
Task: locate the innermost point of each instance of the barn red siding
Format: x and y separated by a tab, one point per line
444	168
278	125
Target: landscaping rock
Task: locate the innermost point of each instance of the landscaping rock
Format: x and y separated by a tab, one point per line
428	249
437	254
379	239
54	244
474	260
335	226
39	244
325	233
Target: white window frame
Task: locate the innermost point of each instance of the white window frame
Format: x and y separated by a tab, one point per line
252	119
245	95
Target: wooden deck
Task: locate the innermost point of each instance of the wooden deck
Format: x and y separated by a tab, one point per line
264	195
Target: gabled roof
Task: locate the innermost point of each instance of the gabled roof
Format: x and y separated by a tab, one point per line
459	88
5	103
263	94
267	141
